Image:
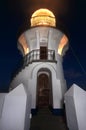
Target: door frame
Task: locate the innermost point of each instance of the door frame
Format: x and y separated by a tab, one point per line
48	73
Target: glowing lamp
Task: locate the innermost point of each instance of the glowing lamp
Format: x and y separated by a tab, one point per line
43	17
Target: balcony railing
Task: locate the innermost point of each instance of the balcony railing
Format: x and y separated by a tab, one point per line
37	56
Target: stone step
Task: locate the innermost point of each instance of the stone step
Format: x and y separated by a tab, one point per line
44	112
45	120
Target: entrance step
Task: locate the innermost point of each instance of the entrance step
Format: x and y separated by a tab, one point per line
44	111
45	120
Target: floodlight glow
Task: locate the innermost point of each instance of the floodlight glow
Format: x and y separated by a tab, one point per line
62	43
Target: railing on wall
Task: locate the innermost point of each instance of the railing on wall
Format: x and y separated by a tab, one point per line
35	56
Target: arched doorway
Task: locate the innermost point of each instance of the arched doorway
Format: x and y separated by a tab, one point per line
44	93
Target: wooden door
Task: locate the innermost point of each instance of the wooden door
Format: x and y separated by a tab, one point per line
43	91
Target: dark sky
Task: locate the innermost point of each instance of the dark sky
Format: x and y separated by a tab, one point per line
71	18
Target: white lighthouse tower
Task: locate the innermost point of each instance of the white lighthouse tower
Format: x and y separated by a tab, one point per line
43	47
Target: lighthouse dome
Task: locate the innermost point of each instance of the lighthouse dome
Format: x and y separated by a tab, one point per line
43	17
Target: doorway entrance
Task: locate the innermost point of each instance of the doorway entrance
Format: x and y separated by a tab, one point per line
43	53
44	90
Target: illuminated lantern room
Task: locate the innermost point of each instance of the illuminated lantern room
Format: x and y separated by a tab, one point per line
43	17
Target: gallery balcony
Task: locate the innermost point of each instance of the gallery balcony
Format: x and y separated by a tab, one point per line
39	56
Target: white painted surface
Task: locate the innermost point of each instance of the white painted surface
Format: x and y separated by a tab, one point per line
50	37
28	77
75	102
2	98
43	36
16	110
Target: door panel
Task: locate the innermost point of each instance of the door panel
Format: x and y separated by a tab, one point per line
43	91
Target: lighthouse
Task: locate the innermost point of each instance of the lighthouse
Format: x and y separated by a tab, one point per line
43	47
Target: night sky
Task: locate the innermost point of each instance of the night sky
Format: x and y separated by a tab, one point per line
71	19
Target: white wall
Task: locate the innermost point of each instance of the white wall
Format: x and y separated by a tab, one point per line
2	98
28	77
50	37
75	102
16	110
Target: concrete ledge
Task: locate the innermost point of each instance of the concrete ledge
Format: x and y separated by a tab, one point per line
16	110
75	103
